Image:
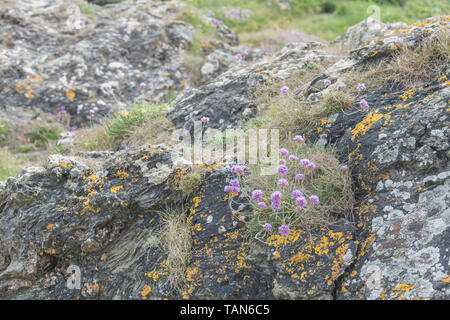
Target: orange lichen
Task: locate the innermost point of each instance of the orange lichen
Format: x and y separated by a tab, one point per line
404	287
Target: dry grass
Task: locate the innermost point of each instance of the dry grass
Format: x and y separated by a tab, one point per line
409	67
175	238
412	67
9	164
286	112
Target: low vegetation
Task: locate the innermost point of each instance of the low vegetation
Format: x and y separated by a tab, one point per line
175	238
140	125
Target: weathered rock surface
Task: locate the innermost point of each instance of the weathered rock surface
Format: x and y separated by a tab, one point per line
101	211
52	55
229	99
366	31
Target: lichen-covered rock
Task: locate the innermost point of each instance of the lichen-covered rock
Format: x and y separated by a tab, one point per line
399	157
229	101
53	55
102	220
366	31
379	48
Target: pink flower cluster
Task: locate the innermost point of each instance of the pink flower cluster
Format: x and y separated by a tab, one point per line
233	187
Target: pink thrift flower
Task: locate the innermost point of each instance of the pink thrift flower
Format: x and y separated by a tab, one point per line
301	202
304	162
204	119
314	199
262	205
283	152
282	170
257	195
299	176
364	105
296	194
276	206
237	169
234	183
282	182
142	85
284	230
276	196
361	87
311	165
284	90
298	138
282	161
267	227
293	158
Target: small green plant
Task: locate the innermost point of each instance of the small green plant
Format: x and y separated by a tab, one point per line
5	130
336	102
41	135
9	164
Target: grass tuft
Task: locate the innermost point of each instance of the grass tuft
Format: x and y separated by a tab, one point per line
175	238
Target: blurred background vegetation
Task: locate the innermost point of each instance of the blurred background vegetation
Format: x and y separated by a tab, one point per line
326	19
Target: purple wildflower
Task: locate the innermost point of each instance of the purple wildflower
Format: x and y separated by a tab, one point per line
282	170
262	205
284	90
293	158
204	119
38	119
282	161
344	168
314	199
304	162
234	183
2	135
217	22
326	82
245	53
364	105
301	202
299	176
73	128
267	227
283	152
238	56
282	182
257	195
142	85
361	87
276	205
276	196
284	230
311	165
296	194
298	138
237	169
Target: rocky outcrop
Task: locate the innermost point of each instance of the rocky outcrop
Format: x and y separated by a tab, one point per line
366	31
51	54
96	217
229	99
